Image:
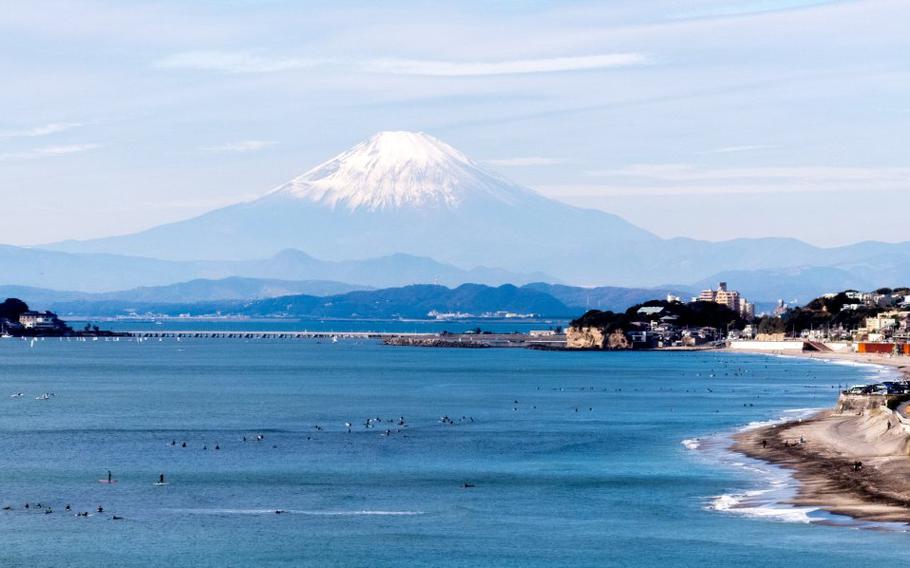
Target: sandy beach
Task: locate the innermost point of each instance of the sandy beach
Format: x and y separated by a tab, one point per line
822	452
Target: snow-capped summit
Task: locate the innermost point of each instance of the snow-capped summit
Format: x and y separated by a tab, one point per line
398	169
399	192
405	192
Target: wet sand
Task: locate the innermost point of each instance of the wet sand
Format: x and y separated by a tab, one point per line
821	452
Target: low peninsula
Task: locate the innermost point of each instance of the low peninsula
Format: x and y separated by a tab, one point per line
18	320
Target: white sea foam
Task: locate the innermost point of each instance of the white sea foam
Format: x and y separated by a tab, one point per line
762	423
801	411
777	485
873	368
767	502
786	416
747	505
691	443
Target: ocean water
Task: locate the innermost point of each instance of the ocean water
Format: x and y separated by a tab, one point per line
576	459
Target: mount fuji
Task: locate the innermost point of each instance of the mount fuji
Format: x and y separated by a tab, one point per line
410	193
398	192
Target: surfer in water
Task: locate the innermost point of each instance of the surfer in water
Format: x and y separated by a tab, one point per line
109	477
161	479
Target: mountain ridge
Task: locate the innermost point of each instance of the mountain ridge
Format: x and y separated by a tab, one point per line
409	193
414	301
374	200
102	272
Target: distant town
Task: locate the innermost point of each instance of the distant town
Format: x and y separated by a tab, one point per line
864	322
876	321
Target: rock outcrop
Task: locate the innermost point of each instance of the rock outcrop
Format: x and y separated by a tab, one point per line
585	338
595	338
618	340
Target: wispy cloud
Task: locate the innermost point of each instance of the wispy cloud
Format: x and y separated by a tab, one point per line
749	7
437	68
233	62
688	179
240	146
42	130
253	62
699	173
736	149
527	161
47	152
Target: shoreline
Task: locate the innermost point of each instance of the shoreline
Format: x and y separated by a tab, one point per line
901	363
822	450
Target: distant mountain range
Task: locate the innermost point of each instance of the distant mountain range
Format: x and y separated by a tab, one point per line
255	298
403	199
799	284
606	297
94	272
200	290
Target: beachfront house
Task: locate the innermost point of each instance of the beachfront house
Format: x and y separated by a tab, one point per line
39	320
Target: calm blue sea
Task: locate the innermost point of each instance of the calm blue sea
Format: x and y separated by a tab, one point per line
576	459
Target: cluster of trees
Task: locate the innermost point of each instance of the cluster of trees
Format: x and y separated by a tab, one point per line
12	308
693	315
824	313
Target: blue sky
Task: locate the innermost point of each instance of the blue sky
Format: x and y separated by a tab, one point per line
705	119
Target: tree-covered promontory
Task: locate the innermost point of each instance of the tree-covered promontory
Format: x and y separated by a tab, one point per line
692	315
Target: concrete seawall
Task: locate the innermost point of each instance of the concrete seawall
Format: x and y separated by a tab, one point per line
861	402
769	346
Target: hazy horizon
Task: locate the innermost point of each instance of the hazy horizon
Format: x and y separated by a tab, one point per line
718	121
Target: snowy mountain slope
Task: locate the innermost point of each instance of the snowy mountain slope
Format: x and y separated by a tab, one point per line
403	192
394	193
400	170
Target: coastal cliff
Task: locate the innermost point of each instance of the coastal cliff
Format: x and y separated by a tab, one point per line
589	337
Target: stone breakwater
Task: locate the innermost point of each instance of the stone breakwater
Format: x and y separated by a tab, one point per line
480	341
434	342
